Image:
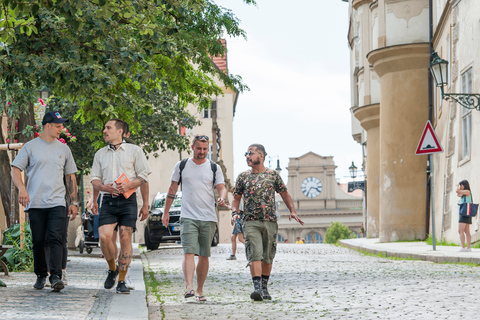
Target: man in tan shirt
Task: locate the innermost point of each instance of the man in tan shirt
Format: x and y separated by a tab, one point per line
110	163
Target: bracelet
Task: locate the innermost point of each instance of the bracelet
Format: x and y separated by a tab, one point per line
234	213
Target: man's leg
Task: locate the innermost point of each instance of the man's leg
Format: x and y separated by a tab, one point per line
55	234
202	271
125	256
38	226
114	242
106	232
188	267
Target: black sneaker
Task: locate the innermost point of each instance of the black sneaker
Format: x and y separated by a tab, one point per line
111	279
256	295
266	295
122	288
57	284
40	283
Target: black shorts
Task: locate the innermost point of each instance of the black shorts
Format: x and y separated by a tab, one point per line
464	219
119	210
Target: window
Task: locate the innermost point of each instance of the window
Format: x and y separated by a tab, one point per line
466	115
313	238
207	113
280	238
449	58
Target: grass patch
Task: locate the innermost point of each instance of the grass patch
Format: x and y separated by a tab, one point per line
153	286
429	241
382	255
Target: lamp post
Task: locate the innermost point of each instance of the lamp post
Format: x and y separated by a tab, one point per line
438	69
352	186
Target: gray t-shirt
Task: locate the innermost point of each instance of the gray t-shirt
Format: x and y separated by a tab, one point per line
45	163
198	199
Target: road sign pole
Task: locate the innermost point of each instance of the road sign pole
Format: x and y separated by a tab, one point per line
431	201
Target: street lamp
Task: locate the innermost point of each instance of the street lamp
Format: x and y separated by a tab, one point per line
438	68
353	171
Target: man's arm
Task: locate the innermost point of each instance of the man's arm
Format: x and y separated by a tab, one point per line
125	186
72	187
172	191
108	188
222	192
287	199
96	193
23	197
144	190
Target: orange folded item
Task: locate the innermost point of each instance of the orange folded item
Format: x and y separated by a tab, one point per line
123	178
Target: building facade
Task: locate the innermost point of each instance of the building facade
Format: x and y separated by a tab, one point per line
318	200
390	54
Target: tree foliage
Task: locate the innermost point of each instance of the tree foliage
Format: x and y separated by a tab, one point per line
337	231
142	61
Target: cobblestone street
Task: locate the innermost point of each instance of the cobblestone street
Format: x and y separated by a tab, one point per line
318	281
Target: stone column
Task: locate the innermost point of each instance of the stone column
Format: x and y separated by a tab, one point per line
404	99
369	117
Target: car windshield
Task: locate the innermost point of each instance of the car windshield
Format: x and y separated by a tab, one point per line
160	202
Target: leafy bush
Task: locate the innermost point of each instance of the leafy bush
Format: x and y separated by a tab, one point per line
337	231
16	258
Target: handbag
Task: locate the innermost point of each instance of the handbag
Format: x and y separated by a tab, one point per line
468	209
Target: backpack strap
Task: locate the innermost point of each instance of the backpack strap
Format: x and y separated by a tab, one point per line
213	165
182	166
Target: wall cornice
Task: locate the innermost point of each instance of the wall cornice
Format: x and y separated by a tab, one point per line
357	3
399	58
369	116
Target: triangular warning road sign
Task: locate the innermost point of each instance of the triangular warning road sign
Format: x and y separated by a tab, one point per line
428	142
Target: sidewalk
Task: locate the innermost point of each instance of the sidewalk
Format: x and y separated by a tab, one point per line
414	250
83	298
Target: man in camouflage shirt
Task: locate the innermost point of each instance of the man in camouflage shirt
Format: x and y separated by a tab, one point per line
258	187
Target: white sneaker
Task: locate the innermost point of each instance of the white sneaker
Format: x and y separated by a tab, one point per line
467	250
128	281
462	250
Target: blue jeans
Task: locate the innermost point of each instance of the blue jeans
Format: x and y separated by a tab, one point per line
48	224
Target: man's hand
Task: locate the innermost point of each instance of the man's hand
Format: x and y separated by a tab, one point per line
109	188
72	212
234	218
95	208
143	214
165	219
123	186
293	215
24	198
221	202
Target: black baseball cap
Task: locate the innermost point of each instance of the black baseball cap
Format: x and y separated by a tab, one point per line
53	117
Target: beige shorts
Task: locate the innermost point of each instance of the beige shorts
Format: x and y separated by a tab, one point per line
197	236
260	240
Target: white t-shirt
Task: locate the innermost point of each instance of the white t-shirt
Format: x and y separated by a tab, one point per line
198	199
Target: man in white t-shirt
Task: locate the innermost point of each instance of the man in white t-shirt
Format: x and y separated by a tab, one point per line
198	219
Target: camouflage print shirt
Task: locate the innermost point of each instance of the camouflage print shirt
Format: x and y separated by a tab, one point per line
258	191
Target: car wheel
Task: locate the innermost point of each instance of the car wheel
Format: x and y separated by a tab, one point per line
150	245
216	237
81	246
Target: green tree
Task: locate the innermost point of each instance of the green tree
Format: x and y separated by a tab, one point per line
337	231
113	58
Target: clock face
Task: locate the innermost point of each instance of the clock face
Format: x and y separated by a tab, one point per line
311	187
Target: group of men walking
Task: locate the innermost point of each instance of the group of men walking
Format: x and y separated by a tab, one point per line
118	170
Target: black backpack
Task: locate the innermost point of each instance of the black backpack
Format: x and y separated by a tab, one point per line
213	166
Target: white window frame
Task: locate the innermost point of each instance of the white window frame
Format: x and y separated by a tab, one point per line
466	116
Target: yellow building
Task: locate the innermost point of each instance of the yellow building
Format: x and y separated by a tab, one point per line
390	54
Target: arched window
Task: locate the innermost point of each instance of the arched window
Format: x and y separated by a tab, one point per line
280	238
313	237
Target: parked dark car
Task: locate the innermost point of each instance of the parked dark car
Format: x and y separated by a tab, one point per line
156	232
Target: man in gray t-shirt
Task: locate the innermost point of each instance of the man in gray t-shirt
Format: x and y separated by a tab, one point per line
198	218
46	162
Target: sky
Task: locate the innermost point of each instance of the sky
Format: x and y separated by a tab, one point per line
296	62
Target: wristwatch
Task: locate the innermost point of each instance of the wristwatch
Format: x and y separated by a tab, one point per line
74	204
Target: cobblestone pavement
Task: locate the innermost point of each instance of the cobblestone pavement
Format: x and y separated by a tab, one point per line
318	281
83	297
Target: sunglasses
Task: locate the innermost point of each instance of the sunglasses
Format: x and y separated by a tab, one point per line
249	153
201	138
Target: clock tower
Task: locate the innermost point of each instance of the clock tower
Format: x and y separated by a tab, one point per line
318	199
